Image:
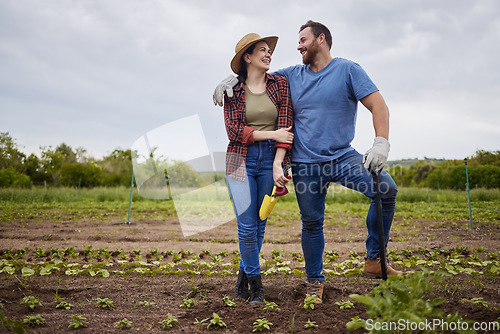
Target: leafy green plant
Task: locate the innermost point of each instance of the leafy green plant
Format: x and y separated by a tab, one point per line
17	326
77	322
271	305
187	303
292	323
33	320
216	322
199	323
310	324
400	298
105	303
477	301
169	322
345	305
147	304
229	302
309	301
64	305
196	290
31	301
261	324
124	324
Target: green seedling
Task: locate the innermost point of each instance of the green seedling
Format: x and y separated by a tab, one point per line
16	326
147	304
260	325
105	303
199	323
196	290
124	324
401	297
216	322
345	305
309	301
31	301
310	324
271	306
77	322
187	303
229	302
477	301
169	322
33	320
64	305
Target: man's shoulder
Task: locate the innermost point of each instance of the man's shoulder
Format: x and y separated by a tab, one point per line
276	77
289	70
344	62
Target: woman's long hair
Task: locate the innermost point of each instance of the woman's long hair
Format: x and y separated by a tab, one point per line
242	73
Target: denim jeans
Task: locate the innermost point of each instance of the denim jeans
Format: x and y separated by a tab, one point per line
247	198
311	181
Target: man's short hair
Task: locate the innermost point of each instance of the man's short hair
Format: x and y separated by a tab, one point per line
318	29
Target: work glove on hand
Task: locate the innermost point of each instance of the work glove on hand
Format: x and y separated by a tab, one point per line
376	157
226	85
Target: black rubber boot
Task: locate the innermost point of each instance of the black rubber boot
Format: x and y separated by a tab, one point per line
241	288
256	290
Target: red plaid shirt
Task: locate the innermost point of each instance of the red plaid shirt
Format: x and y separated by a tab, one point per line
240	135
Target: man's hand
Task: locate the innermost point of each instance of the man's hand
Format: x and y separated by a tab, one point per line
226	85
376	157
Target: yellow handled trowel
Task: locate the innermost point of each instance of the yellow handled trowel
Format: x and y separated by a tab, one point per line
268	204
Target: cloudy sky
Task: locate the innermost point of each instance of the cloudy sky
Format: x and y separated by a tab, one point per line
100	74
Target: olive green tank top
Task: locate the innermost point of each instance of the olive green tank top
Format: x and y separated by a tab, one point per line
261	113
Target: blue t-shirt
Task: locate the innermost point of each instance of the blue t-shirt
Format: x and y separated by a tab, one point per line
325	105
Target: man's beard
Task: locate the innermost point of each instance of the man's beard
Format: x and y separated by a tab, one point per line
311	53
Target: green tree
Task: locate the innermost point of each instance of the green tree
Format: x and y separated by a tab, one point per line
422	170
67	152
482	158
33	169
78	174
487	176
117	168
10	156
51	163
9	177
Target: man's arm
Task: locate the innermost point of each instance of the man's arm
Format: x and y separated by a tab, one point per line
380	113
376	157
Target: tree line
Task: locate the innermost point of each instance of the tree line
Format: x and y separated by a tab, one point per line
62	166
65	166
483	172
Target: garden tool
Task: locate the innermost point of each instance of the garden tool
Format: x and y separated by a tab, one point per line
269	201
380	222
268	204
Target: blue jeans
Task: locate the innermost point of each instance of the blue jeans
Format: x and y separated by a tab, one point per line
247	198
311	181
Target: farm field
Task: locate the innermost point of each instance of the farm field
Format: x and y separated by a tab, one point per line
64	248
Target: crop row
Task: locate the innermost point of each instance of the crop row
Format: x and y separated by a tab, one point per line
103	263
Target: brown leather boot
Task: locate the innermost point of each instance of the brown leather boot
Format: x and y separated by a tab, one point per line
315	288
373	269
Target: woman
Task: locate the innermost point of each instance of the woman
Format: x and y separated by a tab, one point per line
258	121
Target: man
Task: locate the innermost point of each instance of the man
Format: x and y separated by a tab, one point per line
325	93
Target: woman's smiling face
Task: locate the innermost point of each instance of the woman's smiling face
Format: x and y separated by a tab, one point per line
260	58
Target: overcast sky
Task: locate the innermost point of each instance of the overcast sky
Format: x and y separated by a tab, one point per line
100	74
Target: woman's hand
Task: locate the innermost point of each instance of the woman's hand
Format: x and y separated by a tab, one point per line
279	178
284	135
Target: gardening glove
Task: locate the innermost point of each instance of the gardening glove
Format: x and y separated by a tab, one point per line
226	85
376	157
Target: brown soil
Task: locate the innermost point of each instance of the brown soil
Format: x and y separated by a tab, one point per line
343	234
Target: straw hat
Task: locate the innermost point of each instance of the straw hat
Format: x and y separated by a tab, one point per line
245	43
